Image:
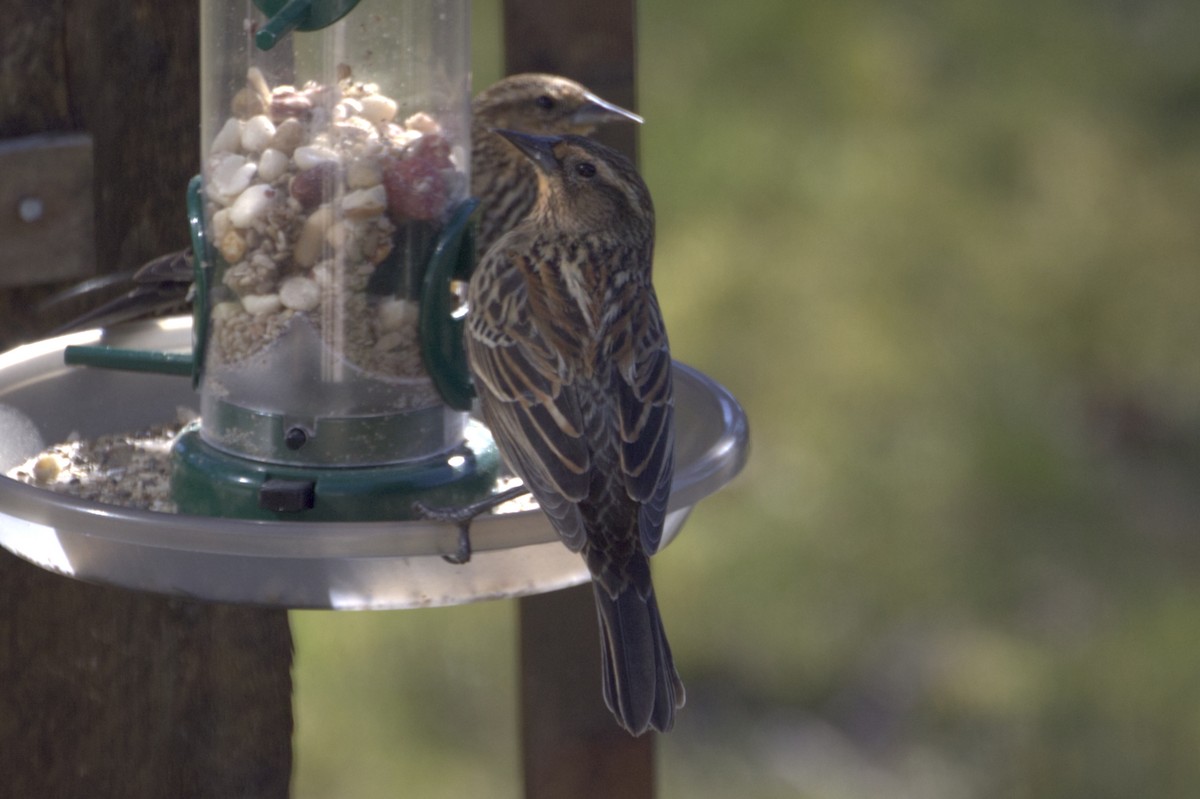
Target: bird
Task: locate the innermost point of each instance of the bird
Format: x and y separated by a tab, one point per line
502	180
529	102
568	351
159	287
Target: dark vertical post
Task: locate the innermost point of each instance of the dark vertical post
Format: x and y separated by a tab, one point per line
105	692
572	745
591	41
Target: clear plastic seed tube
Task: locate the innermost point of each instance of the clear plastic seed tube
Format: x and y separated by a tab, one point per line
330	163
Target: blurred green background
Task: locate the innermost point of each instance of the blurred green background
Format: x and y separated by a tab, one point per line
946	255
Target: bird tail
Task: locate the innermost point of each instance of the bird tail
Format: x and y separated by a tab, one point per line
641	686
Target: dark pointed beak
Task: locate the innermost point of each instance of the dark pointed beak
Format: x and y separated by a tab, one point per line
598	111
538	149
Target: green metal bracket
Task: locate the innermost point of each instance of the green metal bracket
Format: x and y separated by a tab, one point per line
167	363
441	327
285	16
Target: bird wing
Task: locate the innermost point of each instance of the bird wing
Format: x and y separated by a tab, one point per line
642	385
532	410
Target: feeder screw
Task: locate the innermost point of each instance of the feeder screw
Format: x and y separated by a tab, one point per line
30	209
295	438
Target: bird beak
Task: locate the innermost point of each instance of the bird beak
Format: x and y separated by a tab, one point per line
598	111
538	149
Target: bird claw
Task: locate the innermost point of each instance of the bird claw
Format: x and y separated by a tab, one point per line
463	516
462	554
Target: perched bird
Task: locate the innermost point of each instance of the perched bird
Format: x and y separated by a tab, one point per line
158	287
503	180
569	354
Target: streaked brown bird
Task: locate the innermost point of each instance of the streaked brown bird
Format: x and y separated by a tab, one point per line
569	354
503	180
160	287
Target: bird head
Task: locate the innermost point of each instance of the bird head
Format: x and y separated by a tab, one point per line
584	185
545	104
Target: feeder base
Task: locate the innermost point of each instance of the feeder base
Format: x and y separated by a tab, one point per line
208	482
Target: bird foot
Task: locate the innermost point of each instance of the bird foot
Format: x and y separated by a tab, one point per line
462	517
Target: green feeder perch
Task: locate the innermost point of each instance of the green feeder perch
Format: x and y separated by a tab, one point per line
285	16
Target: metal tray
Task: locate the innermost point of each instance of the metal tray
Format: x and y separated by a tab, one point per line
352	565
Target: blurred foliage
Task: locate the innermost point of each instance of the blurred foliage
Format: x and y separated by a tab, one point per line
946	255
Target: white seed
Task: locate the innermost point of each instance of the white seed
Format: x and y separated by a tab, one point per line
422	123
399	137
257	304
377	109
225	310
46	468
348	107
221	224
337	235
396	314
252	205
230	177
311	155
229	137
288	136
258	82
363	173
271	165
365	203
246	103
257	133
311	240
300	294
356	129
232	247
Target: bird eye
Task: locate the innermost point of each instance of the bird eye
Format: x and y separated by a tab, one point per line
585	169
544	102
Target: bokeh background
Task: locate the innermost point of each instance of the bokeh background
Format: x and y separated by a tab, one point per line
946	254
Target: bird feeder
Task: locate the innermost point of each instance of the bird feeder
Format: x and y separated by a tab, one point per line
334	181
330	224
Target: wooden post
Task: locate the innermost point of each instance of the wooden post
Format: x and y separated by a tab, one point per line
571	744
106	692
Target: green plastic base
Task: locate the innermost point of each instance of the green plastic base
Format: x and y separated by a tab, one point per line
208	482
